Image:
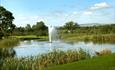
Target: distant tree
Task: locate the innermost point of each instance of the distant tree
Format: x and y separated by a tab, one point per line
28	27
40	28
6	25
71	26
19	31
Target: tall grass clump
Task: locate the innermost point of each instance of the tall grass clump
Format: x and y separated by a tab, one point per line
96	38
109	38
6	53
61	57
8	42
40	62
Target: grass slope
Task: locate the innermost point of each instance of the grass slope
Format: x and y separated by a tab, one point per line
99	63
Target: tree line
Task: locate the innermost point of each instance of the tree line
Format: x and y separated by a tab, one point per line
39	29
7	27
73	27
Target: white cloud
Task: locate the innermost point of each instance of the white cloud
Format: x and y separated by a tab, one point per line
72	16
102	5
57	14
22	20
96	7
58	17
87	13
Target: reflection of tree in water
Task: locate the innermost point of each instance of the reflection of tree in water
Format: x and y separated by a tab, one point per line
5	53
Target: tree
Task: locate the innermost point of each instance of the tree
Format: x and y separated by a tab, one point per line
71	26
28	27
19	31
6	25
40	28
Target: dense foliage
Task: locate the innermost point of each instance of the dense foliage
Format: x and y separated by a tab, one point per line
6	25
72	27
8	28
39	29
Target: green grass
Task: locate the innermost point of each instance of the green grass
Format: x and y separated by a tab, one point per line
98	63
12	41
29	37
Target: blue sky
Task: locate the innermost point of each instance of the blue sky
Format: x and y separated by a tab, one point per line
57	12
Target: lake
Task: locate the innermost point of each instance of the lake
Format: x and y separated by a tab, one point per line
34	47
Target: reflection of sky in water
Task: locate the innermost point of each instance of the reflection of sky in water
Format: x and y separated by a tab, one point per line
32	48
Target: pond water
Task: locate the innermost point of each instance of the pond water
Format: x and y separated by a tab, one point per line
33	47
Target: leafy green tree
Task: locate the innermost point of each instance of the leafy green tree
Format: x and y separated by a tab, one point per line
6	25
71	26
19	31
40	28
28	28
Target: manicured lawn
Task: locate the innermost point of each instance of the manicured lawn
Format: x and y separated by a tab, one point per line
98	63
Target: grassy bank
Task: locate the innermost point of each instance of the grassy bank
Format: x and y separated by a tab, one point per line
30	37
14	40
57	60
8	42
99	38
99	63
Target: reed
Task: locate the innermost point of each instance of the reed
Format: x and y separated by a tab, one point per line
40	62
8	42
96	38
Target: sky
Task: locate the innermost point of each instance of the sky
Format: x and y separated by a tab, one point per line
58	12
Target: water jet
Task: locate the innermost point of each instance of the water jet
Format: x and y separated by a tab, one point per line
53	35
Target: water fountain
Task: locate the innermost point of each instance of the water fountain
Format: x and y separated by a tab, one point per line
40	47
53	35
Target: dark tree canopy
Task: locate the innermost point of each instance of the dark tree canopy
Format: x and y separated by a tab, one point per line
6	25
40	28
28	27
